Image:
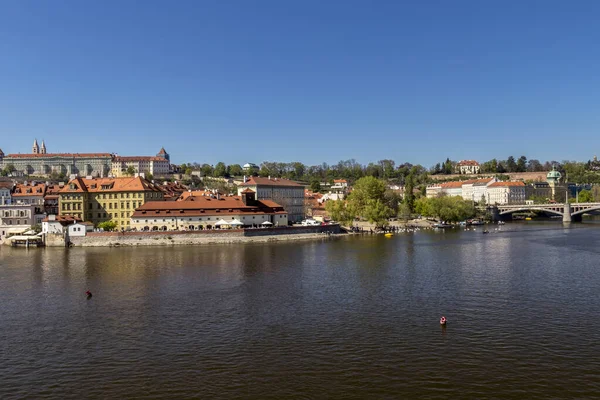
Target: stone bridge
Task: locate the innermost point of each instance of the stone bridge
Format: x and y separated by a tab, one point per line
569	211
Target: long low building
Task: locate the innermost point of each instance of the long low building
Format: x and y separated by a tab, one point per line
208	212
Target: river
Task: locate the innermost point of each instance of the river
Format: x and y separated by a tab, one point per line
353	318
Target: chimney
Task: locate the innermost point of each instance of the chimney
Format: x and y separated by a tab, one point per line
218	196
244	178
269	177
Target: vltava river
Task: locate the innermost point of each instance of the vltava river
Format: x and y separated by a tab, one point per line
352	318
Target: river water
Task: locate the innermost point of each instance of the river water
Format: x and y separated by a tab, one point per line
353	317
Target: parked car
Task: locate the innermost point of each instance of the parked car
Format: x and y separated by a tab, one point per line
310	222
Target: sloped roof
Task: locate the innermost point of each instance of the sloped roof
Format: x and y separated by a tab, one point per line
123	184
257	180
507	184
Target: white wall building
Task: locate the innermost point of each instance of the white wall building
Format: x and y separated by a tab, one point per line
506	193
467	167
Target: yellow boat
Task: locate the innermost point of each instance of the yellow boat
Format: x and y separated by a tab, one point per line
528	219
389	234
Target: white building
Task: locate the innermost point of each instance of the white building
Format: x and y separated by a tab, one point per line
470	167
480	192
433	190
468	193
506	193
80	228
56	224
209	212
158	165
281	191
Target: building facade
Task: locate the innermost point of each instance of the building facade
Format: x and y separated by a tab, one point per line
158	165
289	194
41	163
501	193
470	167
106	199
5	192
208	212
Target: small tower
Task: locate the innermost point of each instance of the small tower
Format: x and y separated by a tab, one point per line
163	154
35	149
553	179
43	148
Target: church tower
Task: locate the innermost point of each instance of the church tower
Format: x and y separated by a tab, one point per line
553	178
43	148
35	149
163	154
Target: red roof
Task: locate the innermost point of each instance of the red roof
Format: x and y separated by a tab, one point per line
22	190
227	205
124	184
138	158
257	180
507	184
467	162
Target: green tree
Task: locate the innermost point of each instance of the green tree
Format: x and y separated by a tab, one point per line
315	185
522	164
409	186
511	165
107	225
206	170
404	212
338	211
220	169
392	200
235	170
586	196
130	171
446	208
364	190
188	171
376	212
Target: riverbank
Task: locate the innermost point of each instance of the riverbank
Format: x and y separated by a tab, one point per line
413	223
123	239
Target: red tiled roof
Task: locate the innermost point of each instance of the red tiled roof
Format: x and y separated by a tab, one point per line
339	181
206	206
162	151
68	155
467	162
124	184
22	190
451	185
63	219
507	184
257	180
138	158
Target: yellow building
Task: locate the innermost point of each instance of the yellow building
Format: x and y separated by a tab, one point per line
106	199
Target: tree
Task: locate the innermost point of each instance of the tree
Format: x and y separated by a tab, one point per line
148	175
206	170
188	171
446	208
522	164
511	165
220	169
534	166
404	212
376	212
235	170
107	225
366	189
409	197
338	211
392	200
586	196
315	185
130	171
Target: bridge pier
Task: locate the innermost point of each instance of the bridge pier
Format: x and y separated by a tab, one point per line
495	213
567	213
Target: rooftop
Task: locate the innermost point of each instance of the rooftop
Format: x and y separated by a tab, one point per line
124	184
257	180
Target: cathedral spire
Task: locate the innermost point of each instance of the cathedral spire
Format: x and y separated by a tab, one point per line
35	149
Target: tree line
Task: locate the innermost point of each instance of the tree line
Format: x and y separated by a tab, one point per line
388	169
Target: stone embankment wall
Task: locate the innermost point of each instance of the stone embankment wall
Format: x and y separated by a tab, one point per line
101	239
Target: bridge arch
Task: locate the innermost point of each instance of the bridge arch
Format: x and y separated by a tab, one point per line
511	211
587	210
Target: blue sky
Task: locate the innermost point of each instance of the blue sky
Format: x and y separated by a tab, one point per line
310	81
